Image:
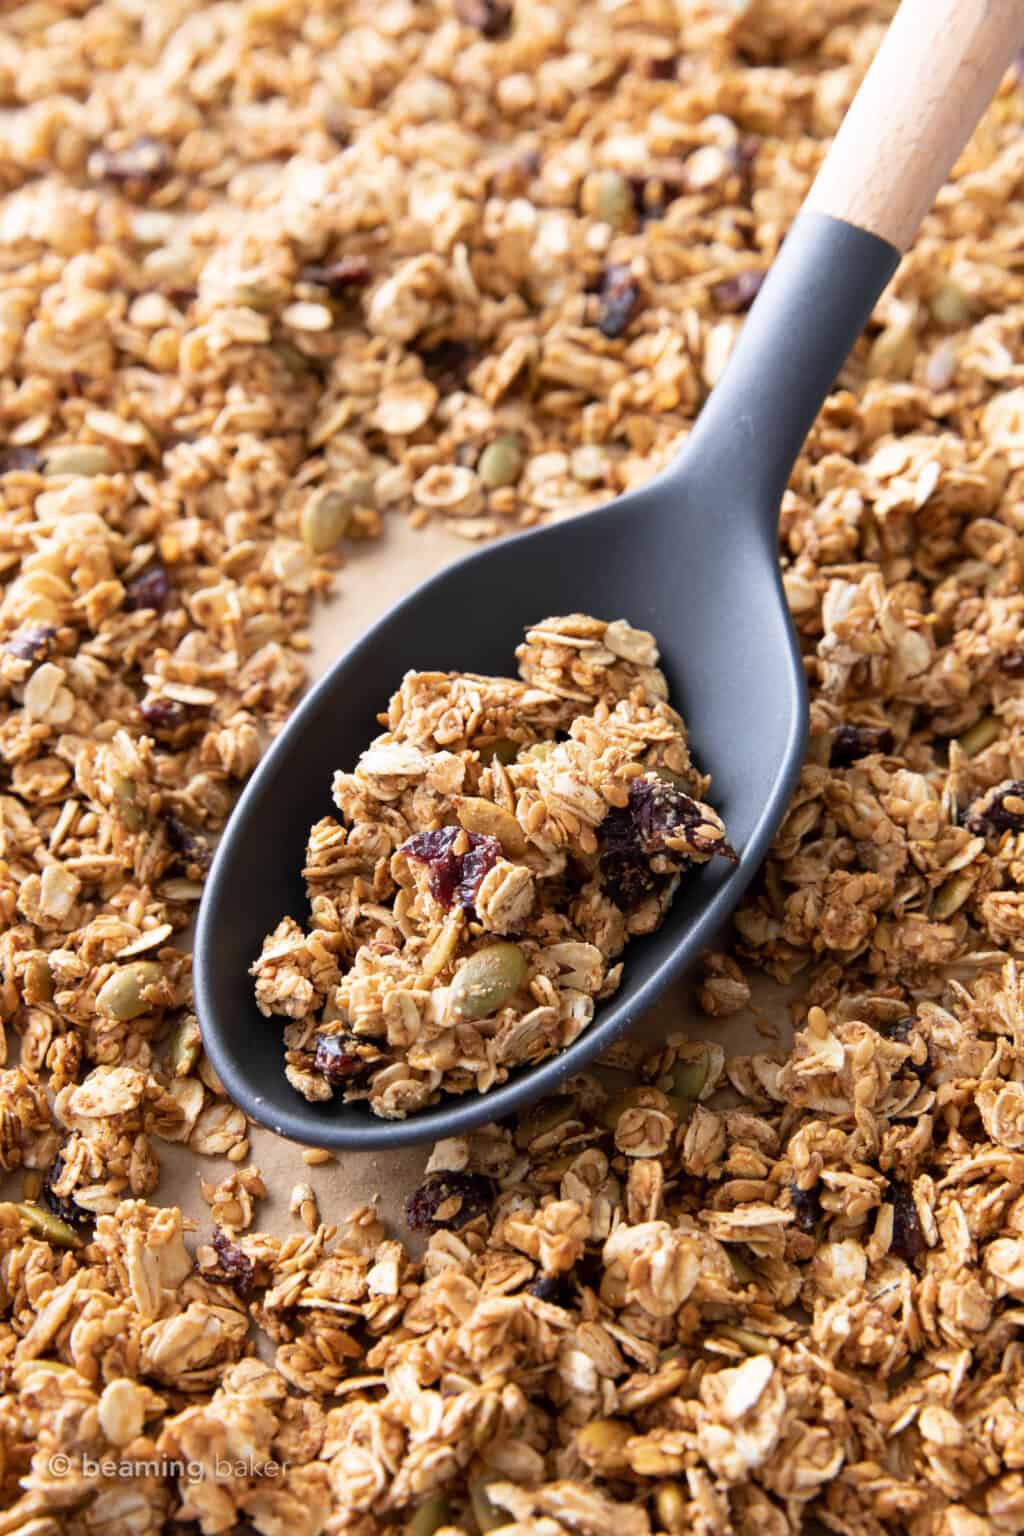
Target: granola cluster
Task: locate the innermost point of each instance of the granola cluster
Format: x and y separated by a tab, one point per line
270	276
498	846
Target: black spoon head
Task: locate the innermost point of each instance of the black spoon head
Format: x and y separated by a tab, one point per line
670	558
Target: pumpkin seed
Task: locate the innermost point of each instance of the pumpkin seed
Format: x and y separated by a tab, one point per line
753	1343
634	1098
120	996
330	509
430	1516
689	1076
979	736
951	895
488	980
546	1117
608	196
125	794
185	1045
487	1515
501	462
46	1225
500	750
950	305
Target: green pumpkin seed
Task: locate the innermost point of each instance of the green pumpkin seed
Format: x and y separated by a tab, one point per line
668	777
634	1098
980	735
951	895
323	520
501	462
185	1044
120	996
46	1225
689	1076
546	1117
487	1515
753	1343
500	750
430	1516
608	196
329	511
488	980
950	306
126	802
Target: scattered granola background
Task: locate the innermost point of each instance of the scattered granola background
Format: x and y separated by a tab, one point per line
798	1294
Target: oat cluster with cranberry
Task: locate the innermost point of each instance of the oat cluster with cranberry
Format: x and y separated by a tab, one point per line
497	848
273	276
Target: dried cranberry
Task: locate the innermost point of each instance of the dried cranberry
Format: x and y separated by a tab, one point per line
337	1058
633	833
734	295
164	715
512	174
907	1238
619	296
992	814
806	1207
744	156
150	589
193	848
896	1029
140	167
852	742
492	18
556	1289
470	1195
653	192
339	276
449	364
236	1268
64	1206
453	876
661	69
32	642
19	458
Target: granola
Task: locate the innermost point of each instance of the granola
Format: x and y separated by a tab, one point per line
271	277
498	846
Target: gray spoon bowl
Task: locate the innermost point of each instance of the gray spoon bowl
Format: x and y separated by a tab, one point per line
693	557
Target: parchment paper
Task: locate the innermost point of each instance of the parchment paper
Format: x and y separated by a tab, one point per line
375	576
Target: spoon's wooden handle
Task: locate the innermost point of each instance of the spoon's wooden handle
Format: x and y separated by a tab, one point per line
937	69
